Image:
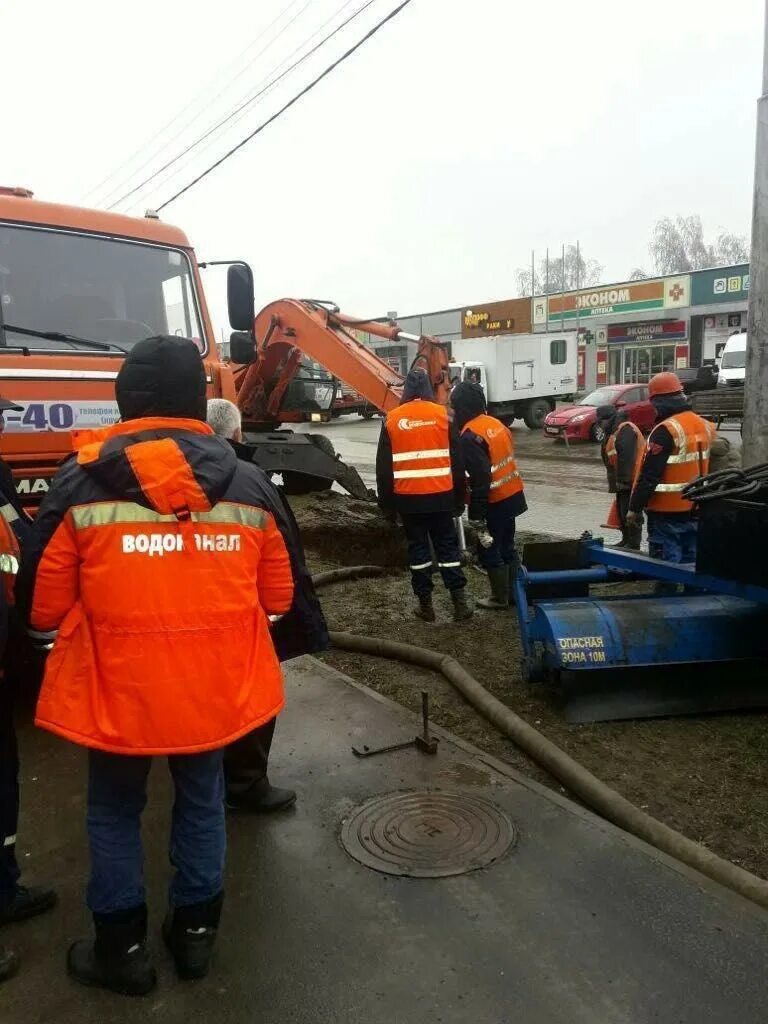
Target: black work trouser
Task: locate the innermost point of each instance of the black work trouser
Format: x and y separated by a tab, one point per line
440	528
246	760
9	793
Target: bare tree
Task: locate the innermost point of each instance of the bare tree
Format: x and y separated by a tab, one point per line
559	277
638	274
678	246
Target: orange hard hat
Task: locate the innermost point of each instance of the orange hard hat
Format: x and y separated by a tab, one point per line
666	383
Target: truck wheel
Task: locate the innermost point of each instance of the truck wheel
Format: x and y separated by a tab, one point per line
367	415
535	413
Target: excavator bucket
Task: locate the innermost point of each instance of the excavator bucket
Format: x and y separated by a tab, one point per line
306	462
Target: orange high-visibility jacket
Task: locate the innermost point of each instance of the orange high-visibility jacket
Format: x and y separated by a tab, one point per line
159	570
610	447
419	432
692	437
505	477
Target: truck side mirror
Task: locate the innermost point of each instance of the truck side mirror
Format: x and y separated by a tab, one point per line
242	348
241	297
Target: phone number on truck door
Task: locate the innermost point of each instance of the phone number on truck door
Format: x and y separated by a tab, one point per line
36	416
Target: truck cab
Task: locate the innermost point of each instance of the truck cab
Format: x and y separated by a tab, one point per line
733	362
79	288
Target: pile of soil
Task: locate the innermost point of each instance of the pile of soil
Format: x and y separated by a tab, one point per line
706	776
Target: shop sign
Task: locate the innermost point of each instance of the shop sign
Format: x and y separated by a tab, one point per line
633	297
509	317
647	333
724	284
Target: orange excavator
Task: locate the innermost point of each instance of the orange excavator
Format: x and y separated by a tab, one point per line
79	287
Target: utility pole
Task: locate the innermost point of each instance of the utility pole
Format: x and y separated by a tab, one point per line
755	443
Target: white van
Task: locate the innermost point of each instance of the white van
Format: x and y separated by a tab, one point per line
733	362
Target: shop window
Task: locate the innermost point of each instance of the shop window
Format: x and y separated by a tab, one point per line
558	352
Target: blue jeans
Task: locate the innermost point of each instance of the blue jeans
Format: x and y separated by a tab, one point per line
671	538
501	526
117	794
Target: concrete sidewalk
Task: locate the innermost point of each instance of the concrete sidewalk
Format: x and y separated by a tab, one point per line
578	924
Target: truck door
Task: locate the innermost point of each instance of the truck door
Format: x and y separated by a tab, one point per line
522	375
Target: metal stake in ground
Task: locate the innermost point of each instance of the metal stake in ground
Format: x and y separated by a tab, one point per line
756	383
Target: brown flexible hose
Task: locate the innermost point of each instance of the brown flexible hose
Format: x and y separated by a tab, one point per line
574	776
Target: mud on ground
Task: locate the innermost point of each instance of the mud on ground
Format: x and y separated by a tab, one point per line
706	776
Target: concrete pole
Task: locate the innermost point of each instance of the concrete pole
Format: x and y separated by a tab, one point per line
755	448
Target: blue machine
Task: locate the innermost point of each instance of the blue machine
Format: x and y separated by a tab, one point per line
612	656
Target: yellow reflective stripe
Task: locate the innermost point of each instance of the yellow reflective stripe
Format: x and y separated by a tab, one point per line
505	479
9	513
672	487
9	564
433	453
230	512
610	451
414	474
110	513
689	457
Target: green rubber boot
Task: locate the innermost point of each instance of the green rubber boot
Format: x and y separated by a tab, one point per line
499	599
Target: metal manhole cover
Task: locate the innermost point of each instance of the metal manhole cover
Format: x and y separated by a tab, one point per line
427	834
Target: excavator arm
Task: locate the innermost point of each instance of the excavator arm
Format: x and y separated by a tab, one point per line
289	329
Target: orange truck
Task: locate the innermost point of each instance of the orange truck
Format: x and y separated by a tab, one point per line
79	287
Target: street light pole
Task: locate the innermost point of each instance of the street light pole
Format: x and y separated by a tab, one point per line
755	449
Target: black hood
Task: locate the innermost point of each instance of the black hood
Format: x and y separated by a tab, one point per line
670	405
609	417
131	465
162	376
468	401
417	385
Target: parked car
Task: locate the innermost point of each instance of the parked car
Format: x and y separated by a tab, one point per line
578	422
698	378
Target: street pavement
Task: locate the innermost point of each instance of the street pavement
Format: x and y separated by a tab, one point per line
578	923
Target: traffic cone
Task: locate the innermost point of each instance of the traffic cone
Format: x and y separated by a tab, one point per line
613	518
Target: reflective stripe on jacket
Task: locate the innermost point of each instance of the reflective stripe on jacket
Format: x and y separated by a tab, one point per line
505	477
613	456
10	553
692	437
419	433
160	567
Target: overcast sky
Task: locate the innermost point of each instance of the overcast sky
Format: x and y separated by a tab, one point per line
421	174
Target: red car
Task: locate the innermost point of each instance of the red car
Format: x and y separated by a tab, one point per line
578	422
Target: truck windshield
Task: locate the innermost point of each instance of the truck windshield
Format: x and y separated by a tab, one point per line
98	289
735	359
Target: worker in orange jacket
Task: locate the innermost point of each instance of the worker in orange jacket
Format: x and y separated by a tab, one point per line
420	476
496	494
160	566
677	451
622	452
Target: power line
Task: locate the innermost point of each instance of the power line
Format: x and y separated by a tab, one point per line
251	99
307	88
202	94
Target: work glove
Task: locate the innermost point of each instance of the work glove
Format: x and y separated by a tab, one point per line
634	519
481	531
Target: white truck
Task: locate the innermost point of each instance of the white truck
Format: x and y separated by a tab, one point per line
523	375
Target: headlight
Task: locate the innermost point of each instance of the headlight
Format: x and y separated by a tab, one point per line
580	418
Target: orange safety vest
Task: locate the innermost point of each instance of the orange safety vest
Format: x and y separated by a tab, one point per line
693	437
505	478
421	456
612	455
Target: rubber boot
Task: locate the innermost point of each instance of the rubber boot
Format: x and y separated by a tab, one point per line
462	607
9	963
511	577
261	797
426	610
499	599
190	934
117	959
